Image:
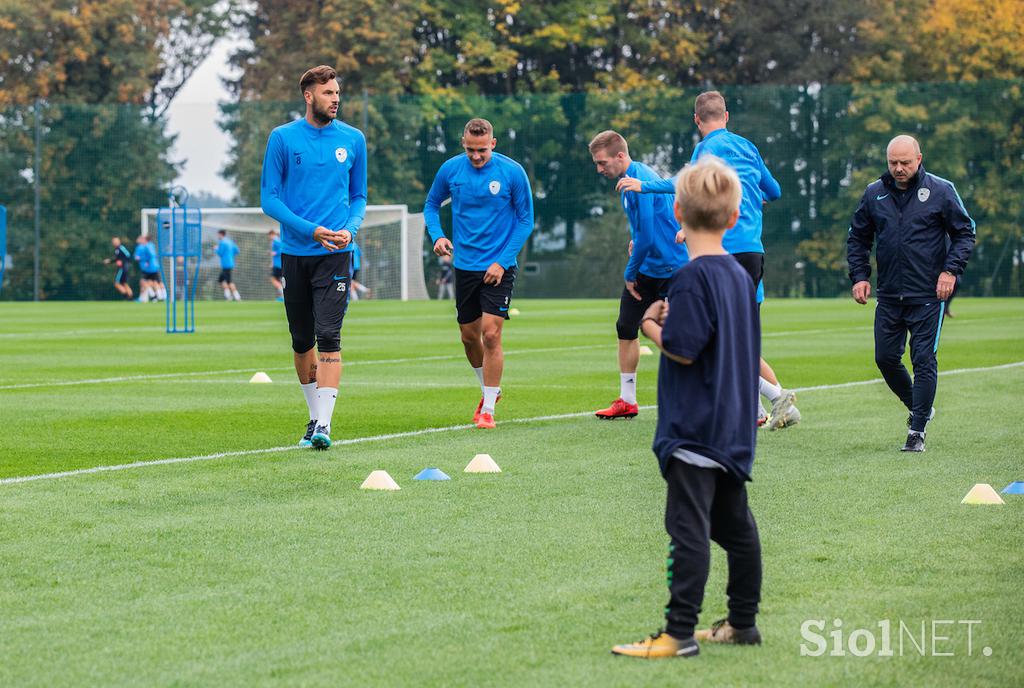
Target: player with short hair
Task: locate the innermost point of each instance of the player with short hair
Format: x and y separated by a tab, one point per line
227	250
744	240
709	334
314	184
492	216
122	258
276	272
150	284
654	255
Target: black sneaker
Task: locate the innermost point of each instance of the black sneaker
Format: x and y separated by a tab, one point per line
321	439
915	442
722	631
306	439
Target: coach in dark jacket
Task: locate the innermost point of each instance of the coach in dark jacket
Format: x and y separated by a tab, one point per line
909	214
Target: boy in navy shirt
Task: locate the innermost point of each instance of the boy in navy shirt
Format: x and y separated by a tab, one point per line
709	336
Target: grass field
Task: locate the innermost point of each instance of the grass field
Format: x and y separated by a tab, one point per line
254	563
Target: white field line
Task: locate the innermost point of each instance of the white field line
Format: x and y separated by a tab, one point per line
204	373
413	433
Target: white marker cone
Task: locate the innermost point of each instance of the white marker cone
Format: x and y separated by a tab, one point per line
379	480
513	311
260	377
482	463
646	351
982	493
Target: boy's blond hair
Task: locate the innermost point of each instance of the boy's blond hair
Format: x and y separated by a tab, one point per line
708	193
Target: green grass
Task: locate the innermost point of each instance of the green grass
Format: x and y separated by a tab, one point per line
274	568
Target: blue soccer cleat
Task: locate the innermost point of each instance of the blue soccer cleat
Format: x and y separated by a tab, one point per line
321	439
306	440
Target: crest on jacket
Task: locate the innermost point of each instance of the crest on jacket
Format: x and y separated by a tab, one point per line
923	194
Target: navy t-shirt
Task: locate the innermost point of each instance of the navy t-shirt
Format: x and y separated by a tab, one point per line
710	406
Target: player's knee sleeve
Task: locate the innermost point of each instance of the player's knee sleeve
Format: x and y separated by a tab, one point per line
301	343
328	342
625	331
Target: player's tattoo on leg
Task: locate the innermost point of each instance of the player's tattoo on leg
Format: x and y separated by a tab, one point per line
312	372
325	358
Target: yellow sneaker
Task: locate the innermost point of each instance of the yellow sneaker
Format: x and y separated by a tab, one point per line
659	645
722	632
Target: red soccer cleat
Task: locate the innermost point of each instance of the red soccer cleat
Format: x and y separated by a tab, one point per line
485	422
476	414
618	409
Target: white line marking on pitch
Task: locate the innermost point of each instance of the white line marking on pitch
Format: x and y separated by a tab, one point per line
413	433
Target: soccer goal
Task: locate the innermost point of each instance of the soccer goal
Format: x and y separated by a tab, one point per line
391	241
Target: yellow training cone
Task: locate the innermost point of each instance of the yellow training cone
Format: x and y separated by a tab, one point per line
646	351
513	311
260	377
482	463
379	480
982	493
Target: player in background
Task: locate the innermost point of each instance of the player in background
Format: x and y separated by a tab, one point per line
492	216
227	250
357	261
446	279
744	240
122	258
275	263
655	254
314	184
151	286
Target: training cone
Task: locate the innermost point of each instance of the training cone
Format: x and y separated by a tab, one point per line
982	493
646	351
482	463
260	377
1016	487
431	474
379	480
513	311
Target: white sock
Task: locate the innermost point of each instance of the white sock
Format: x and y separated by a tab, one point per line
238	297
490	399
761	413
480	376
309	391
162	294
325	398
227	294
144	297
771	391
627	387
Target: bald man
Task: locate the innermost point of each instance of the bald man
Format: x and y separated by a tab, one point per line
910	213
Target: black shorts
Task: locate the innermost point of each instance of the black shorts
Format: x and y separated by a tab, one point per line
753	263
315	296
631	311
473	298
276	273
225	275
122	276
355	275
151	276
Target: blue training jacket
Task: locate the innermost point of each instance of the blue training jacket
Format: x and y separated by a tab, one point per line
653	228
492	210
314	177
227	250
911	229
758	186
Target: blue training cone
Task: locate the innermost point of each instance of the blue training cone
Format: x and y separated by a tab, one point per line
431	474
1014	488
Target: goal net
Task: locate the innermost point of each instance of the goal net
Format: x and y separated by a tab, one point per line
390	240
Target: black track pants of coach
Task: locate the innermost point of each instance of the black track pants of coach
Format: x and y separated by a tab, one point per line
924	322
707	504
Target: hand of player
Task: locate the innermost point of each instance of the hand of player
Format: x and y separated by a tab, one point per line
631	288
944	287
327	238
630	247
494	274
443	247
628	184
658	311
681	236
344	238
861	291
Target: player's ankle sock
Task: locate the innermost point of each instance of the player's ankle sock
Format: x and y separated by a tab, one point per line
162	294
480	376
627	387
227	294
309	391
325	398
771	391
238	297
761	412
490	399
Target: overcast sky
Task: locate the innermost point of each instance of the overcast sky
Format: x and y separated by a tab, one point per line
193	117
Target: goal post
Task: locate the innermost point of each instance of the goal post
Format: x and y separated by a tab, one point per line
390	240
